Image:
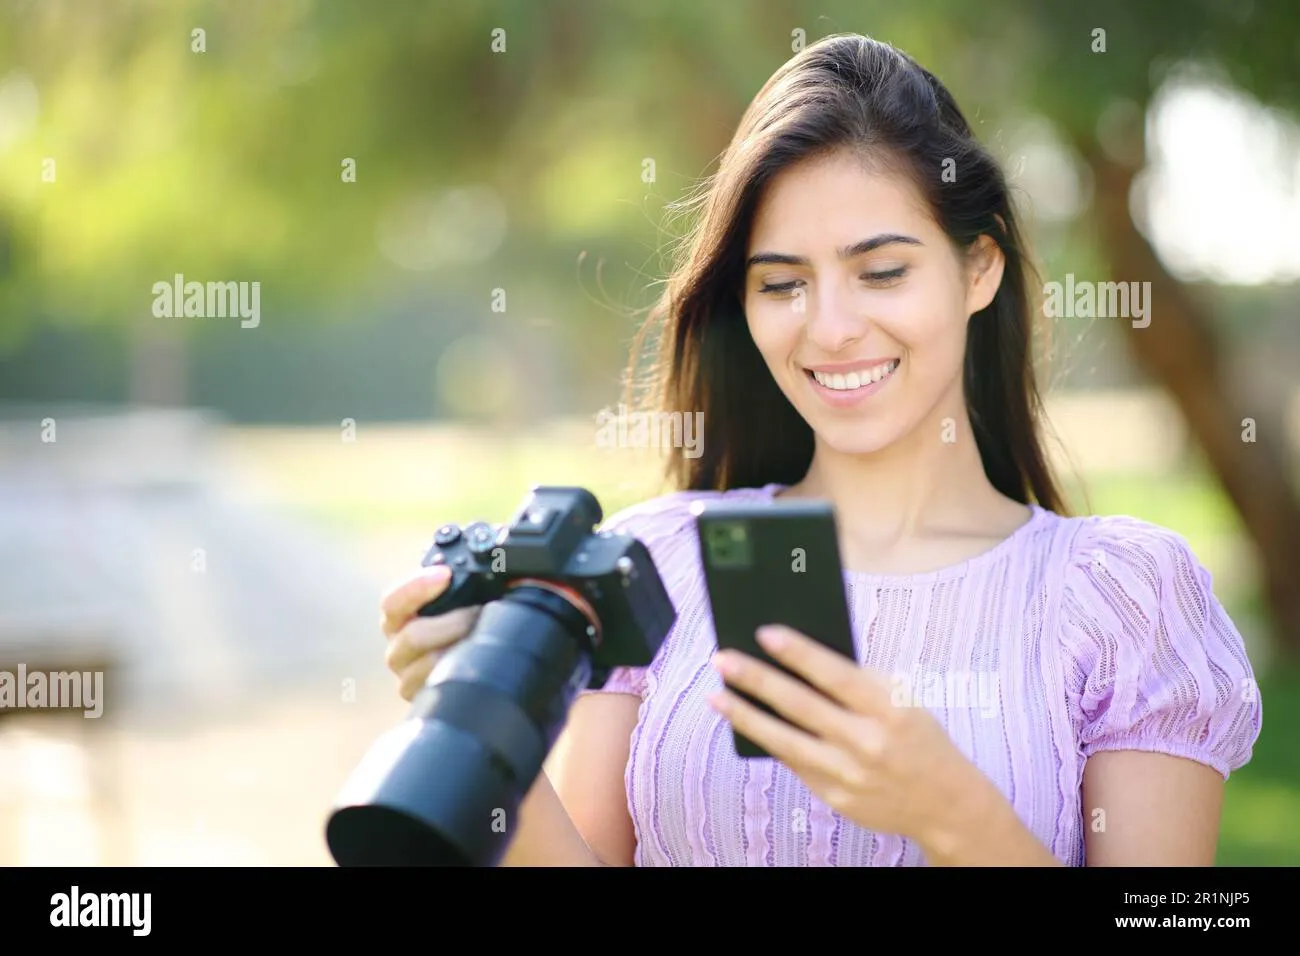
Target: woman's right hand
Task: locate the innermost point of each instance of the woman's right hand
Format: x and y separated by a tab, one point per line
416	643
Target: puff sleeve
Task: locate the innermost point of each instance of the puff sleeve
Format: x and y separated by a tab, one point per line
1153	661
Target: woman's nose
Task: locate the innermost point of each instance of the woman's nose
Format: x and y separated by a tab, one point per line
833	320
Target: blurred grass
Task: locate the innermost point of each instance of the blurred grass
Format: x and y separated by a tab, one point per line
408	481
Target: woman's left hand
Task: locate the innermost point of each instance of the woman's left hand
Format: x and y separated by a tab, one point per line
888	768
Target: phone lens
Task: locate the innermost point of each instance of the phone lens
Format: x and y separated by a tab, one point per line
728	544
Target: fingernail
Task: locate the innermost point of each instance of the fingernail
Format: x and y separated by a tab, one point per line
724	665
771	638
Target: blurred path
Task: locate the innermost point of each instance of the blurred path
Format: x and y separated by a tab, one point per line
135	533
249	673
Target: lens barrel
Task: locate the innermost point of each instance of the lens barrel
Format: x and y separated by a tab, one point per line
443	788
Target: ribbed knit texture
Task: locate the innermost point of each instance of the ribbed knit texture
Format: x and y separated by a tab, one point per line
1072	636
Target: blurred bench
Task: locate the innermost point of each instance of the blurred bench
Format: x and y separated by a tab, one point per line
54	652
57	616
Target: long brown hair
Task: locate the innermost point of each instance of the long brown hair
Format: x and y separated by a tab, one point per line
842	92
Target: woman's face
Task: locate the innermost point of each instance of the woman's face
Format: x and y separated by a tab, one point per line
858	303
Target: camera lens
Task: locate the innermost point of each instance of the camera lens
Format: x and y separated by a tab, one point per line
444	788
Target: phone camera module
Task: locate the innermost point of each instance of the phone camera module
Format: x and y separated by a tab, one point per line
729	545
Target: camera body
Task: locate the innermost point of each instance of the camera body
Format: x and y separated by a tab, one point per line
550	542
561	603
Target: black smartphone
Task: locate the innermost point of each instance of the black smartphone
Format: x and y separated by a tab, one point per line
775	562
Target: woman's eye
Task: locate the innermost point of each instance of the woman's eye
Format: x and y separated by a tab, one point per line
883	277
888	275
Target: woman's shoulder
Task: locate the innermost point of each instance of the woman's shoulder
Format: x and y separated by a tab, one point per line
1118	566
1102	551
669	514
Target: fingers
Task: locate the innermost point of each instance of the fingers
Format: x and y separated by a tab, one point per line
790	697
412	678
424	635
418	647
842	680
790	745
400	604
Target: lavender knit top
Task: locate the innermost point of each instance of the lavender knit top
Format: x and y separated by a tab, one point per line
1070	637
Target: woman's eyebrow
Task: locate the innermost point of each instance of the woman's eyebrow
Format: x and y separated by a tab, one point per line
848	252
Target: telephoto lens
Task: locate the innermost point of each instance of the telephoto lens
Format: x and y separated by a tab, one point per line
443	788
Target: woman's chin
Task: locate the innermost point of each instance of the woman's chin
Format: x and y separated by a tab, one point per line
849	439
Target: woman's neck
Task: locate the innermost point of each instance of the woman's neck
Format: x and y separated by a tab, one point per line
930	483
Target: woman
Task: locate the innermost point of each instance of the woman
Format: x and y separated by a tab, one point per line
853	319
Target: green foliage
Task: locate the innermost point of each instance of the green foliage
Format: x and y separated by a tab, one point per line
226	163
1261	812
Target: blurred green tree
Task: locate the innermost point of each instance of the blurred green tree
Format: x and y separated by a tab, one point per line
304	142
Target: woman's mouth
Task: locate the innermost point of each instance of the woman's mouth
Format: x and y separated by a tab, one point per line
843	388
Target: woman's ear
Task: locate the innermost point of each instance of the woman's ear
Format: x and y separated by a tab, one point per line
985	263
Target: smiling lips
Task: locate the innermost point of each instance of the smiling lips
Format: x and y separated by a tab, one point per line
854	379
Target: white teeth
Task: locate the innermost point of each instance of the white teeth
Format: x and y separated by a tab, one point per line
844	383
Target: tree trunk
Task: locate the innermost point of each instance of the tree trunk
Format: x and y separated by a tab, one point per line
159	369
1177	349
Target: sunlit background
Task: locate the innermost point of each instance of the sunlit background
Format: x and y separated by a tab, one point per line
456	214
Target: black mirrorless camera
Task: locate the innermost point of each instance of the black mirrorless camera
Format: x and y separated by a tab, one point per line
562	604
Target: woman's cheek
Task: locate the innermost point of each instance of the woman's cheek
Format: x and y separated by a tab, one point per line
772	328
915	320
